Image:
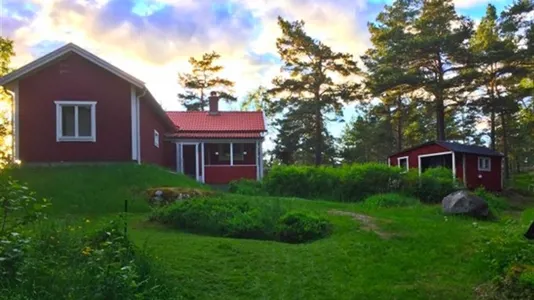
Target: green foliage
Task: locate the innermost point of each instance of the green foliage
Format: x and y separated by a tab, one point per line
510	258
390	200
246	187
496	204
356	182
431	186
64	262
300	227
310	92
6	53
202	80
237	218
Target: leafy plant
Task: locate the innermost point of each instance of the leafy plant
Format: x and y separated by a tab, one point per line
300	227
496	204
246	187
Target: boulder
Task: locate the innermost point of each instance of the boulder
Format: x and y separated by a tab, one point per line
465	203
530	232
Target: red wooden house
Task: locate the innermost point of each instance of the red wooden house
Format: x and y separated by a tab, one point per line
71	106
475	166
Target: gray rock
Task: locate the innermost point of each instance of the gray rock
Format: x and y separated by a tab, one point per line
465	203
530	232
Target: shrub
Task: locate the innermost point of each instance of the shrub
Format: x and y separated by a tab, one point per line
300	227
167	195
246	187
62	263
495	203
510	259
431	186
239	218
390	200
222	217
348	183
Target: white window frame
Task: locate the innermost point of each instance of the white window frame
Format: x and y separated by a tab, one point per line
156	138
59	120
407	162
480	158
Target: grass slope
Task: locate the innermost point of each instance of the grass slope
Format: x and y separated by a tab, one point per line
97	190
431	257
427	257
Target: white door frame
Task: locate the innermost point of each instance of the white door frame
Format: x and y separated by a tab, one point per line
197	175
438	154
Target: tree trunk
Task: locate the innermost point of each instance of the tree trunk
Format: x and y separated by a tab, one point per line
505	145
400	111
492	125
440	118
318	136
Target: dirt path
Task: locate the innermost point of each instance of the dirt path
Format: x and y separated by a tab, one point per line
368	222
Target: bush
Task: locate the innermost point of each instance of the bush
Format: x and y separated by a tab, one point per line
510	259
247	187
234	218
431	186
349	183
390	200
496	204
222	217
300	227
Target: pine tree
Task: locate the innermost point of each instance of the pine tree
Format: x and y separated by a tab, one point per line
201	81
307	88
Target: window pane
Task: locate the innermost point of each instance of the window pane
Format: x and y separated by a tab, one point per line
67	120
224	152
403	163
238	152
84	121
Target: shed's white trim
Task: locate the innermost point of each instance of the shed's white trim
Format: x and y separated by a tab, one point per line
428	155
135	120
407	162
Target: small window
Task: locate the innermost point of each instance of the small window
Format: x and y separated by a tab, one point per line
403	163
156	138
75	121
484	164
224	152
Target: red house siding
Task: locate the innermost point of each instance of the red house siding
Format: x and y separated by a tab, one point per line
491	180
413	155
150	121
74	78
225	174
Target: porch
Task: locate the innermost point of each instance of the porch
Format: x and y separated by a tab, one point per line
220	161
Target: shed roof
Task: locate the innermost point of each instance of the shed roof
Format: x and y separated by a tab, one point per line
457	147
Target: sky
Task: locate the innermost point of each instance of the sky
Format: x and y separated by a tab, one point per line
153	39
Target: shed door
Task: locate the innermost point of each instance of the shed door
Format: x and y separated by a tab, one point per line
190	160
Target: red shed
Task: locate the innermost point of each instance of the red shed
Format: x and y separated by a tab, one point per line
475	166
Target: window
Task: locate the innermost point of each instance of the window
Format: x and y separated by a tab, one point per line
484	164
403	163
239	152
156	138
75	121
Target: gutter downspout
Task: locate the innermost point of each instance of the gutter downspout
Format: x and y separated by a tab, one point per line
138	129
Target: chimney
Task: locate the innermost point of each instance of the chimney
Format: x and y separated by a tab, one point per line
214	103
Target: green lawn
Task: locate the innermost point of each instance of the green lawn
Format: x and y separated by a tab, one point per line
428	256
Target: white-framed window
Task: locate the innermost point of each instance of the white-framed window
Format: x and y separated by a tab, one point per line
402	162
484	163
156	138
75	121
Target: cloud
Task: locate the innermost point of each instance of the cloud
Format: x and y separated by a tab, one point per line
152	39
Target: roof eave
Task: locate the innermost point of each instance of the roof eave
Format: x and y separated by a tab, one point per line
56	54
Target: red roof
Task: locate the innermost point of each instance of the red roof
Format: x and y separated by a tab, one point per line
235	124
